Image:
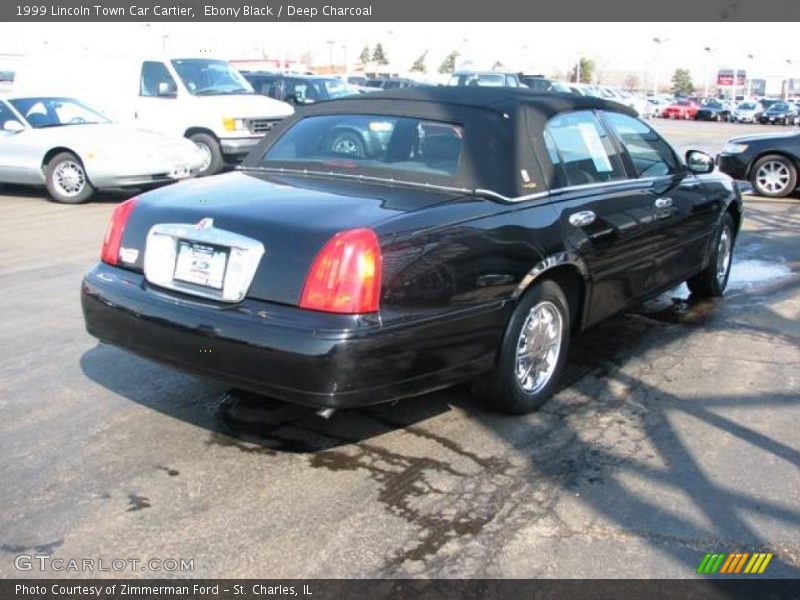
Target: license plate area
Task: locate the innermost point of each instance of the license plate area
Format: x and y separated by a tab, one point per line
201	264
201	260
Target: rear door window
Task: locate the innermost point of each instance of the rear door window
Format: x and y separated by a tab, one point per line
581	149
650	154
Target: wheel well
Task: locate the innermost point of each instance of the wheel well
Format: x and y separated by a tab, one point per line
52	153
736	213
571	282
789	157
193	130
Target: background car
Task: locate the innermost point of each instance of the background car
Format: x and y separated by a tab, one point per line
73	149
486	79
780	113
681	109
389	83
747	112
713	110
542	84
658	105
356	80
201	98
299	89
770	162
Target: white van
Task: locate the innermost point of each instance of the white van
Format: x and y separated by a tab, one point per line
201	98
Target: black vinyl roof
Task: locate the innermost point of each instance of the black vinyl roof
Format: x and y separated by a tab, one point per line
503	148
500	99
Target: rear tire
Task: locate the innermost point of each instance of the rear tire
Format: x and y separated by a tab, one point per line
712	281
774	176
209	145
67	180
532	354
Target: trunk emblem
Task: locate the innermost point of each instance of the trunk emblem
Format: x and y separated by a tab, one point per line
205	223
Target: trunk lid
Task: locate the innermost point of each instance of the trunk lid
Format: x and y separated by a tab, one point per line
292	216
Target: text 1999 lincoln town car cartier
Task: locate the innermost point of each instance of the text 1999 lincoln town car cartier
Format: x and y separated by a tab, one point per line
460	234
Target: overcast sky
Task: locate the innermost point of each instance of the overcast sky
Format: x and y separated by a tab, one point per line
533	47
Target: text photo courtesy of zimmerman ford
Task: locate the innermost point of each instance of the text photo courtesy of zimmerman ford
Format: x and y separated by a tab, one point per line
378	301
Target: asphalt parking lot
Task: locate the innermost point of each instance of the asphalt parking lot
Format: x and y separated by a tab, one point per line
674	434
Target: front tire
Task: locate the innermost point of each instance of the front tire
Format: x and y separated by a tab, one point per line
67	181
712	281
774	176
209	146
532	354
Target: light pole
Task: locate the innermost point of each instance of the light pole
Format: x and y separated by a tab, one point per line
330	43
658	42
786	85
708	50
751	58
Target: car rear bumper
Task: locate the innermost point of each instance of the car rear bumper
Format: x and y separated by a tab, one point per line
309	358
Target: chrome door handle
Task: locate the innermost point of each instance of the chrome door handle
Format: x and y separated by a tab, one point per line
663	202
582	218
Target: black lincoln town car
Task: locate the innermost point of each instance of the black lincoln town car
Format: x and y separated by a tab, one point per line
466	241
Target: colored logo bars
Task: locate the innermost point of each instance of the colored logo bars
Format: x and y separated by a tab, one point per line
738	562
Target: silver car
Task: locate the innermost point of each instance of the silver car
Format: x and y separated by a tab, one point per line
73	150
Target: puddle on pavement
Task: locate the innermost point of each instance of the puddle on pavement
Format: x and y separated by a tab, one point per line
678	306
748	273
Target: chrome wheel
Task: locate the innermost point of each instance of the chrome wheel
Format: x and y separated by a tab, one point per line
207	157
346	145
773	177
724	251
538	347
69	179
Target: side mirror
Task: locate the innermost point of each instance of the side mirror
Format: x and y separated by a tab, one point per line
166	89
13	126
699	162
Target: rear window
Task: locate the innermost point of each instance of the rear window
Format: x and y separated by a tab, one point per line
389	147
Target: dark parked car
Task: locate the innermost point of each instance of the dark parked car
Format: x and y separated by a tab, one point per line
356	80
542	84
780	113
390	83
713	110
770	162
486	79
490	225
299	89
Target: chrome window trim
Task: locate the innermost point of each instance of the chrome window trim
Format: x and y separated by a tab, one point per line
476	192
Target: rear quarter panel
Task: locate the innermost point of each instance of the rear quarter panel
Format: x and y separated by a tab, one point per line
466	253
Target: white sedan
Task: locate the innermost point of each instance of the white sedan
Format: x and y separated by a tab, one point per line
73	150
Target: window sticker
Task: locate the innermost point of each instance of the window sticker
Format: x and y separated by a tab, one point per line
594	144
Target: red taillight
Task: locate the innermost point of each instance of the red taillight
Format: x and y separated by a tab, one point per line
116	227
345	276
